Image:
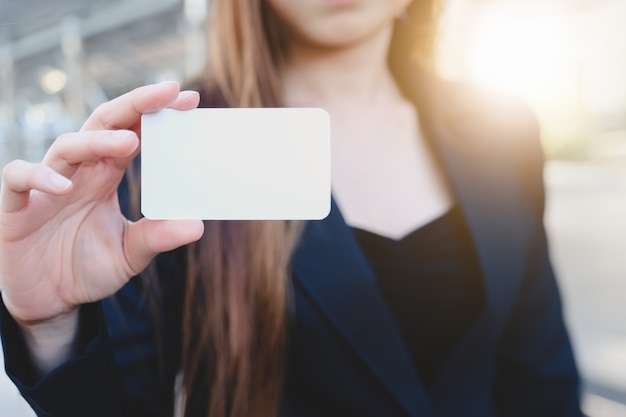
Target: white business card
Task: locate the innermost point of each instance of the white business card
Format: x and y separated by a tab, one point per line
235	164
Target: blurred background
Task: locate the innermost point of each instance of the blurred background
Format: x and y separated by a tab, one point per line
567	58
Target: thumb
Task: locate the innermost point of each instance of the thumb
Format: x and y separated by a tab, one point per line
146	238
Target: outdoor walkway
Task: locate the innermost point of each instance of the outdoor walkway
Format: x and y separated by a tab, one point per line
586	223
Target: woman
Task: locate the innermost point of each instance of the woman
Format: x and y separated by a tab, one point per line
426	292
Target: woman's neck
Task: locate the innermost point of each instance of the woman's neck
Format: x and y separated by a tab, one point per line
339	79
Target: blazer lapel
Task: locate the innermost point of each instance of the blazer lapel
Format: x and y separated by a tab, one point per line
331	268
480	171
480	167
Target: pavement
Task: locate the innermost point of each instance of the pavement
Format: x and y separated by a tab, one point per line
586	224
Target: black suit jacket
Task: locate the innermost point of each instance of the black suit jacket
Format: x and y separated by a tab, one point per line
346	356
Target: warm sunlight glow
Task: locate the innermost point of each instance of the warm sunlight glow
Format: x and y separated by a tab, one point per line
513	50
564	60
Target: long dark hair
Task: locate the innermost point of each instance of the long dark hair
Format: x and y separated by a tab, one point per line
236	297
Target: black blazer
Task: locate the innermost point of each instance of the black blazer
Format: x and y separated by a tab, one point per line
346	357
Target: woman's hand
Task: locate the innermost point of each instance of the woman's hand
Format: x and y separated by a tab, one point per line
63	239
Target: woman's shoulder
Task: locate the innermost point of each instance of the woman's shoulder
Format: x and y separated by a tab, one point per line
462	102
476	121
494	129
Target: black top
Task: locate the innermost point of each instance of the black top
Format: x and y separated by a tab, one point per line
432	284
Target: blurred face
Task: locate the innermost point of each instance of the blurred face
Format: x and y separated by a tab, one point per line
335	23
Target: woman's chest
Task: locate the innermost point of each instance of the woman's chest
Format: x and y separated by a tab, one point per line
385	178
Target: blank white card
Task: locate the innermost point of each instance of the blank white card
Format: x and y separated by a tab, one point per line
235	164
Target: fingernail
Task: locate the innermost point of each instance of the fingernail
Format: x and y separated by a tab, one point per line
164	83
59	181
119	134
186	94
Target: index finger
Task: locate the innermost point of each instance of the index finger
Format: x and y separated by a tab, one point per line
124	112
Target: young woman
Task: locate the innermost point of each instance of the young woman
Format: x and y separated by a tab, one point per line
426	292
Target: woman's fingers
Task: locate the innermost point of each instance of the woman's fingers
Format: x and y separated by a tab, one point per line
186	100
20	177
124	112
146	238
72	149
89	145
